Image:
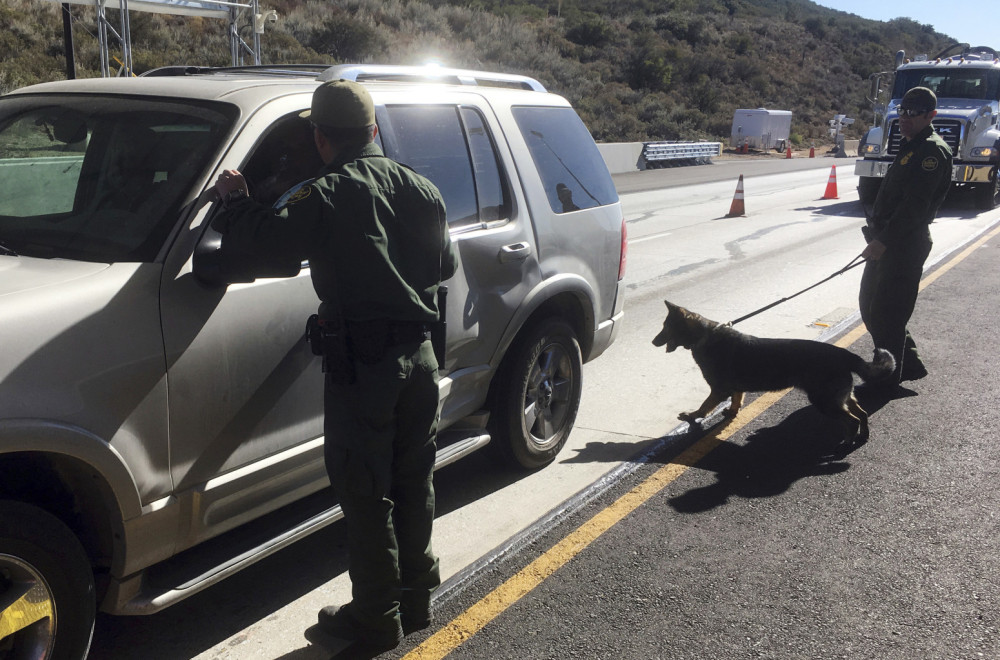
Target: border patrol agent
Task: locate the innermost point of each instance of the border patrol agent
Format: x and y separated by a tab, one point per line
898	233
376	238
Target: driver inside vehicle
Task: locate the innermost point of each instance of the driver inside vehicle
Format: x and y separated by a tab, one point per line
286	158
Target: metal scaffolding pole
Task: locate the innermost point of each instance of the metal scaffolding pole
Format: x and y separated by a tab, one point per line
126	40
68	42
242	15
237	44
102	37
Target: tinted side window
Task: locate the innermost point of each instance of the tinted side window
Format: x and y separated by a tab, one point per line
494	201
430	139
452	147
571	167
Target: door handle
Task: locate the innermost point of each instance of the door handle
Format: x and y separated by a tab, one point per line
514	252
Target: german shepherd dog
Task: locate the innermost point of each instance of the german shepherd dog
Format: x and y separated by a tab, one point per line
733	363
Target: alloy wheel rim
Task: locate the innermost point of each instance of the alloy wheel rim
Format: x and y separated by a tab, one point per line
27	610
548	396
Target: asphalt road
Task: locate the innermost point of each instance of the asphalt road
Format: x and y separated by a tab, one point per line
722	169
765	539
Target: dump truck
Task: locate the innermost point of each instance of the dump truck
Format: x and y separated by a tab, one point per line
967	85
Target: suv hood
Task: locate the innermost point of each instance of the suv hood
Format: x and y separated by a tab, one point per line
19	274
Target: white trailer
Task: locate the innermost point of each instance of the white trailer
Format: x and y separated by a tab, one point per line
761	128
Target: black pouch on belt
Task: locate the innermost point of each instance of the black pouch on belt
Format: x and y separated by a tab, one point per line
338	363
326	337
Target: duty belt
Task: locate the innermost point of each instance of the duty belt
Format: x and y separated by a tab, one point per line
395	332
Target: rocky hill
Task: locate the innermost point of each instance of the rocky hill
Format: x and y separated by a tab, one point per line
637	70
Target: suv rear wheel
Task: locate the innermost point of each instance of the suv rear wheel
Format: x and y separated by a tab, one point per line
538	395
47	602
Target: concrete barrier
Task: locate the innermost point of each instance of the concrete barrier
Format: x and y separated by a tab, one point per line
621	156
850	149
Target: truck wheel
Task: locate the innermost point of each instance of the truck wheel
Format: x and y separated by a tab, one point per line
868	189
987	194
538	395
47	601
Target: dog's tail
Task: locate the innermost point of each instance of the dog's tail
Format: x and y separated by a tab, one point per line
882	365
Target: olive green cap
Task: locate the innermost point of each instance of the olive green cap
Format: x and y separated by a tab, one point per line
919	98
341	104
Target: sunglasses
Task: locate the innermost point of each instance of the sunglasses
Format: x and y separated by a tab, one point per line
910	112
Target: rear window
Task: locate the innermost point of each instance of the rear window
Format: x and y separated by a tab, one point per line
570	165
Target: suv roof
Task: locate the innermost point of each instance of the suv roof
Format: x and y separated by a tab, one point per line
216	83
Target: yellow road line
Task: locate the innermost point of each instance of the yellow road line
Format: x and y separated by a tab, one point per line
493	604
474	619
927	281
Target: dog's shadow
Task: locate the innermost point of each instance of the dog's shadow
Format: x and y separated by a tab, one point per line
773	458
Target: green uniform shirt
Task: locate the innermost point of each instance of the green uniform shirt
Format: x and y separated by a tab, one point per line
913	189
374	233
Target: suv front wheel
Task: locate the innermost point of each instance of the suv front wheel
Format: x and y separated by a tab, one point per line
47	597
538	395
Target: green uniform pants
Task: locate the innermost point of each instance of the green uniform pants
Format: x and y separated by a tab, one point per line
379	450
888	295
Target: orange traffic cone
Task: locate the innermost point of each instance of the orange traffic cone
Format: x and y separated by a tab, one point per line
831	186
736	209
812	152
788	152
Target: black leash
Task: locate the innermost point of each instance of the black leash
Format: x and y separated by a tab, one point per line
856	261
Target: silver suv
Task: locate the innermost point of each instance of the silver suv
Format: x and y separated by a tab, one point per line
155	399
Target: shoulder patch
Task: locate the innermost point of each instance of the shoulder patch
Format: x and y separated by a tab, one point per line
929	164
299	195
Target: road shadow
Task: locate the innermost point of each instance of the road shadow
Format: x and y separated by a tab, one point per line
804	444
845	209
476	476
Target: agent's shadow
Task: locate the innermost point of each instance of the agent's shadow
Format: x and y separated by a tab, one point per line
804	444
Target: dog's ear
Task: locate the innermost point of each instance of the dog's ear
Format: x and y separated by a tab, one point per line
696	323
673	308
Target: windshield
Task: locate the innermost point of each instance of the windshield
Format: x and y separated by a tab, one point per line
100	178
978	83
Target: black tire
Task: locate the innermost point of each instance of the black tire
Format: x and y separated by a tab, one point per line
987	194
46	578
868	189
537	397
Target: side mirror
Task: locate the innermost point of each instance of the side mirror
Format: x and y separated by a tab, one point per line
217	265
876	82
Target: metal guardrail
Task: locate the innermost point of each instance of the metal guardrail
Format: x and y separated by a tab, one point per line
668	154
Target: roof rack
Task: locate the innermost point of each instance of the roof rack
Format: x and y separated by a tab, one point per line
262	69
430	73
